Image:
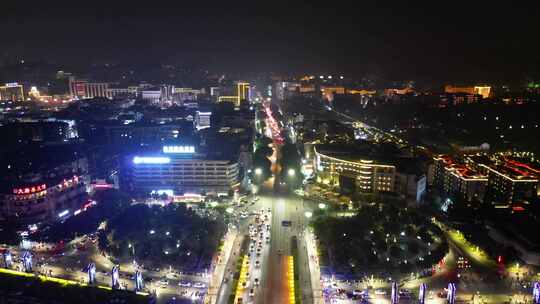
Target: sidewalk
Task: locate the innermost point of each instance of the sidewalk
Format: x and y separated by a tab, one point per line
220	268
314	270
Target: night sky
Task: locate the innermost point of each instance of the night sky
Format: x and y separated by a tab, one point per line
443	40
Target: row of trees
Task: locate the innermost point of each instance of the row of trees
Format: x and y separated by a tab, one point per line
290	162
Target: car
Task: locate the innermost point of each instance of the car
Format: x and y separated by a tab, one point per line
258	254
164	282
380	292
357	292
184	284
245	284
199	285
256	281
251	292
257	264
286	223
404	293
279	252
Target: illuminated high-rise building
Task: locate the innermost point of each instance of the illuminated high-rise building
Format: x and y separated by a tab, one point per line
243	92
179	169
12	91
80	88
484	91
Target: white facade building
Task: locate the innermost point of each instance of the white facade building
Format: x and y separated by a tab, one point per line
181	170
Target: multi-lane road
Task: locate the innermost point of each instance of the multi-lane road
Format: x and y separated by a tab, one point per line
271	273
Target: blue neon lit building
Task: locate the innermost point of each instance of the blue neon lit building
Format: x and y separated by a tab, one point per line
179	169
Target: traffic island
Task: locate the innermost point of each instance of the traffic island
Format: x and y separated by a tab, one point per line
293	278
240	275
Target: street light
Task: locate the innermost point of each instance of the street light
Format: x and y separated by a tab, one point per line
308	214
291	172
322	206
258	171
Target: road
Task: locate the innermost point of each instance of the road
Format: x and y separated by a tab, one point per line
285	207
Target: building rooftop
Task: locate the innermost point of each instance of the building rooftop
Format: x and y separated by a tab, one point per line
461	168
515	170
380	154
497	163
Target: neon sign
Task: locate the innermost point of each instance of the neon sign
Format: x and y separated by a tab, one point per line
29	190
151	160
178	149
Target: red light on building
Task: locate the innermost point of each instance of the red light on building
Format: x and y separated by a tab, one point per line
499	259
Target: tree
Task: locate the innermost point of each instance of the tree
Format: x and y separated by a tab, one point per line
261	164
264	151
9	235
395	251
291	162
413	248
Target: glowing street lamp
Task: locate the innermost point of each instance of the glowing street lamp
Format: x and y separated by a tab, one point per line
322	206
308	214
258	171
291	172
